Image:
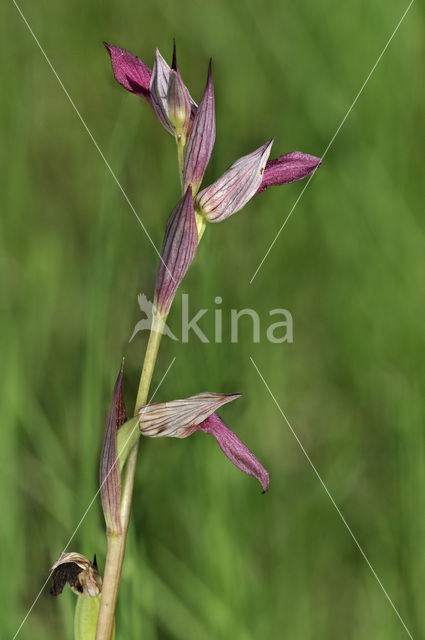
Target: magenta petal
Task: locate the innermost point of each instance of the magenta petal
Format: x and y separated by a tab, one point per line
109	470
178	251
235	450
130	71
289	168
201	139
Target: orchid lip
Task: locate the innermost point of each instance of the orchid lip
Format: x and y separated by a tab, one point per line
131	72
289	168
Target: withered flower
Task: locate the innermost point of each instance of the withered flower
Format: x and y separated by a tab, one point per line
81	575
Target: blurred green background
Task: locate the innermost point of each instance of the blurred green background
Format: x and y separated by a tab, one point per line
208	555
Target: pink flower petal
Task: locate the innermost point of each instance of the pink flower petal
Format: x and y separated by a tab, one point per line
235	450
130	71
289	168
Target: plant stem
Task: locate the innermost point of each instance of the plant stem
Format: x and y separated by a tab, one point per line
158	323
180	157
116	543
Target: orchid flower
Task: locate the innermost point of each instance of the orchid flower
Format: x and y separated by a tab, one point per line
179	114
250	175
181	418
162	87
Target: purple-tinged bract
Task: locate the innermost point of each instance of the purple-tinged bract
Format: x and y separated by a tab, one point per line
109	470
201	139
178	250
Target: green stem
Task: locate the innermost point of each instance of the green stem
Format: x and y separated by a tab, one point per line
181	142
116	543
155	336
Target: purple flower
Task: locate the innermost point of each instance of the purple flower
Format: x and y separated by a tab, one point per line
162	87
181	418
178	250
194	128
109	469
250	175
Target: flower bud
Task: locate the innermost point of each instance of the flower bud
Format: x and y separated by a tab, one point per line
179	105
171	105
